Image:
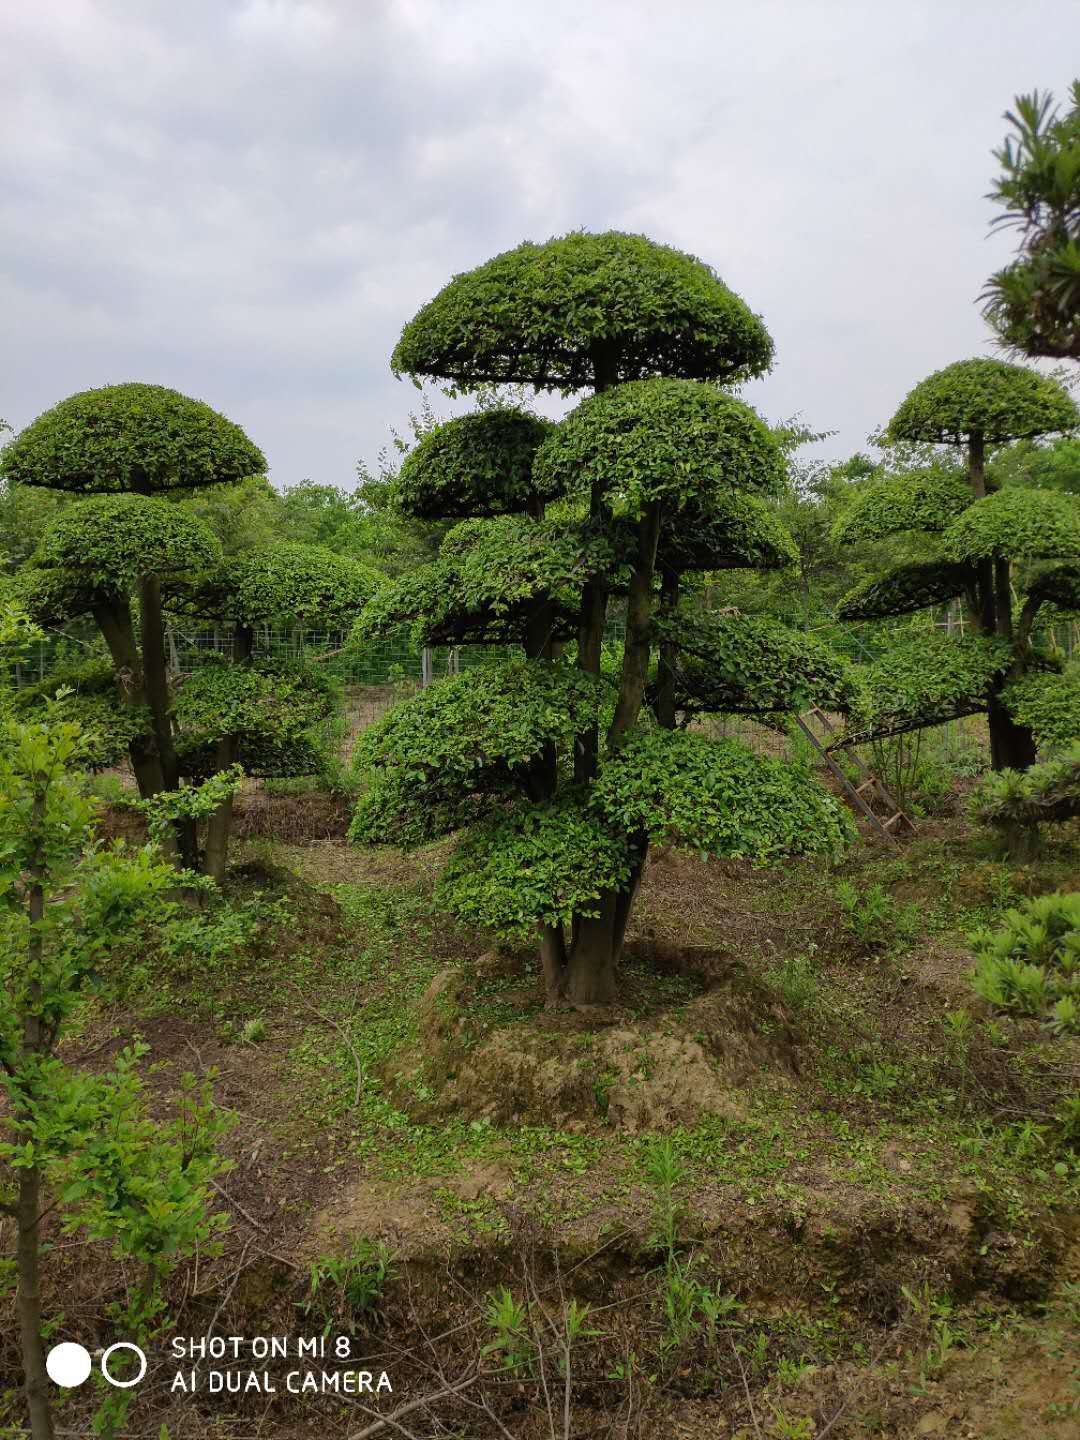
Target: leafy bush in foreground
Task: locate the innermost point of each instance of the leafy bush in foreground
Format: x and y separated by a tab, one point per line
1031	964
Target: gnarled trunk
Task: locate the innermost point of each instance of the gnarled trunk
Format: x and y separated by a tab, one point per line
155	678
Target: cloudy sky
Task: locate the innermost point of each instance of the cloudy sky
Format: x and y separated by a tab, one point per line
246	199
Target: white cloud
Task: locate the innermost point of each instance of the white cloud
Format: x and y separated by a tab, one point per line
249	199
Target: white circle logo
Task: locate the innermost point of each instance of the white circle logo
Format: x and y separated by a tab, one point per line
68	1364
122	1345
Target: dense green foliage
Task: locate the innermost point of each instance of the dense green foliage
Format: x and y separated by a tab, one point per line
52	597
480	464
1046	792
724	530
287	581
86	695
114	540
660	439
905	590
989	398
719	798
1034	303
534	864
756	665
1034	524
1030	965
1057	585
464	740
487	579
543	314
270	709
926	679
132	437
1049	705
916	500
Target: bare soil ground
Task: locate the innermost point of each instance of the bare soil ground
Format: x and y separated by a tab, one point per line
881	1226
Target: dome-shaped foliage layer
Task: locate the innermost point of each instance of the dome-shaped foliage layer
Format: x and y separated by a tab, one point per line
113	540
906	589
545	314
136	437
479	464
985	397
675	440
1016	523
919	500
304	583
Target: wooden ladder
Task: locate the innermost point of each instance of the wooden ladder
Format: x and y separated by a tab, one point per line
897	819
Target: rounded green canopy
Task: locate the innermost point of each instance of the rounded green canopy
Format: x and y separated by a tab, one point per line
1017	522
304	582
488	578
545	314
479	464
919	500
983	397
753	665
112	541
133	437
724	531
675	440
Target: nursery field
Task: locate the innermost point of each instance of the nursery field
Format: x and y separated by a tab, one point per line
576	937
799	1180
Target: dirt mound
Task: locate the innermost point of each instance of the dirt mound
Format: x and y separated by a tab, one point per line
634	1069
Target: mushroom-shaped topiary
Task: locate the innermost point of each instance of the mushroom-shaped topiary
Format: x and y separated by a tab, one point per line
972	404
91	559
255	713
305	583
585	310
1016	524
137	440
987	399
926	500
479	464
905	590
655	472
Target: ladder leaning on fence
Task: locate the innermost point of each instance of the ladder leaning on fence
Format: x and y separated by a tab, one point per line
819	729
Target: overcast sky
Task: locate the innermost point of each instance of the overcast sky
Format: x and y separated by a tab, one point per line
247	199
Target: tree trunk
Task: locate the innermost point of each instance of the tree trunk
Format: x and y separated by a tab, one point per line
553	962
28	1204
115	623
665	673
28	1209
218	827
1012	746
590	971
155	677
638	642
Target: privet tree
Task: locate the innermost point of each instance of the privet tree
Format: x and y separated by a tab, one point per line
1034	302
554	767
982	544
125	447
262	714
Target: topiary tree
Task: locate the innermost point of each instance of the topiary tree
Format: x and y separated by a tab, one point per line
984	542
554	768
263	715
125	447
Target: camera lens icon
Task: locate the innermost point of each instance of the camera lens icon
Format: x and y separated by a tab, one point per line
69	1364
